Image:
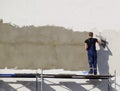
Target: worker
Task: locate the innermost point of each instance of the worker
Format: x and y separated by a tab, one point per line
90	47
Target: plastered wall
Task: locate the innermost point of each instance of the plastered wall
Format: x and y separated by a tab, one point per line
46	47
51	47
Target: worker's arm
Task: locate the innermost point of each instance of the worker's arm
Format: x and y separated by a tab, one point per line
102	42
86	46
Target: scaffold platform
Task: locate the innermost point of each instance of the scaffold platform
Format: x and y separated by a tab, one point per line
66	76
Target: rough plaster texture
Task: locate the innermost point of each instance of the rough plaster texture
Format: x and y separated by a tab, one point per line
45	47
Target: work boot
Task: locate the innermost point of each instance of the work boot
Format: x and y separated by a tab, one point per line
91	71
95	72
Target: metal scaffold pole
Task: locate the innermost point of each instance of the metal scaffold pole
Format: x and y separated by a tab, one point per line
36	82
41	79
115	79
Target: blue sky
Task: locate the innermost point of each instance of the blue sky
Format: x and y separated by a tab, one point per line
73	14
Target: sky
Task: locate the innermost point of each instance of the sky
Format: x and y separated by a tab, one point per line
73	14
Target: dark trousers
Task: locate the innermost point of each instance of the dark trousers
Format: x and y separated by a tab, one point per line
92	59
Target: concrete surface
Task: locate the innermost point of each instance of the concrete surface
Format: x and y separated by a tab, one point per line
46	47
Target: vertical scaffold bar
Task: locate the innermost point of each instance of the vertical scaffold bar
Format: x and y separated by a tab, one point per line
36	82
109	84
41	79
115	79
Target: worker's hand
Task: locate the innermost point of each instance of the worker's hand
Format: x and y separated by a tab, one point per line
103	43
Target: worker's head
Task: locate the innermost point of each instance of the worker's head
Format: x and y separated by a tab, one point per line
91	34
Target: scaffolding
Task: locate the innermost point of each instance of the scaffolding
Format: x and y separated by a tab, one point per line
60	76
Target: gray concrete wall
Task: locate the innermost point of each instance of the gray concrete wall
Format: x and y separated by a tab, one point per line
45	47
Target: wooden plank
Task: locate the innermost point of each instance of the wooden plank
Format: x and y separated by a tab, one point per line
18	75
73	76
65	76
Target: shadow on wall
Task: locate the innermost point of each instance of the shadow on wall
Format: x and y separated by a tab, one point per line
95	84
103	57
4	86
24	86
31	85
102	85
73	86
